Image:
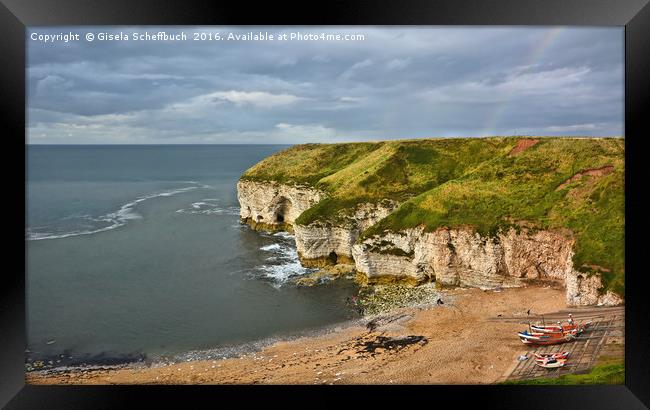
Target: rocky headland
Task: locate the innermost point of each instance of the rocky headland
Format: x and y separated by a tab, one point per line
486	213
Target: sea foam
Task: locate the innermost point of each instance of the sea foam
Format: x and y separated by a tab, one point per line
114	220
284	263
209	206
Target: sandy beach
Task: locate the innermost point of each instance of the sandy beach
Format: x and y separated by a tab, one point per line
458	342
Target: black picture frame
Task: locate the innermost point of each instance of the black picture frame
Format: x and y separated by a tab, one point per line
16	15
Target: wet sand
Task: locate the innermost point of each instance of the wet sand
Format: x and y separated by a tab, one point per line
461	344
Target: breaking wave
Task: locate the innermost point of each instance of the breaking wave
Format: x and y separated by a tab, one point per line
282	263
91	225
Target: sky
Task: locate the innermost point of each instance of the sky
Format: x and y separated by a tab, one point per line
394	83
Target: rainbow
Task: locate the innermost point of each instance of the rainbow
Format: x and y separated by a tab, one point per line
535	54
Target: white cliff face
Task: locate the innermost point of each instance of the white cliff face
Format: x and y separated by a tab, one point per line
458	257
329	242
390	255
461	257
317	243
272	204
582	290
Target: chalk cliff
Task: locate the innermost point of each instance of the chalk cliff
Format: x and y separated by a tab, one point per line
452	257
272	206
461	257
320	244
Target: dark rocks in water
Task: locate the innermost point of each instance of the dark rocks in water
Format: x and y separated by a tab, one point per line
66	360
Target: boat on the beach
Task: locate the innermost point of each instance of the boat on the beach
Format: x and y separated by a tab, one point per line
549	363
540	357
559	327
527	337
555	328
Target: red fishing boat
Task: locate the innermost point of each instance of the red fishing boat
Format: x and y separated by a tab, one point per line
570	326
527	337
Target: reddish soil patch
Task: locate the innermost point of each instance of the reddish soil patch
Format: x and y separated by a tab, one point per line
596	267
522	145
594	172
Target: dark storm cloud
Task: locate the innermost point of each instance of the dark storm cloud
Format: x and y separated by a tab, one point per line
397	83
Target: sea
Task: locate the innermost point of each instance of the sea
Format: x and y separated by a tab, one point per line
138	253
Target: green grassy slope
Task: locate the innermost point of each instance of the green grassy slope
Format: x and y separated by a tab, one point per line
473	182
399	170
308	163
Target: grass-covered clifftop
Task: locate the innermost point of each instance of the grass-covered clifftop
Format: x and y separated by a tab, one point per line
486	183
